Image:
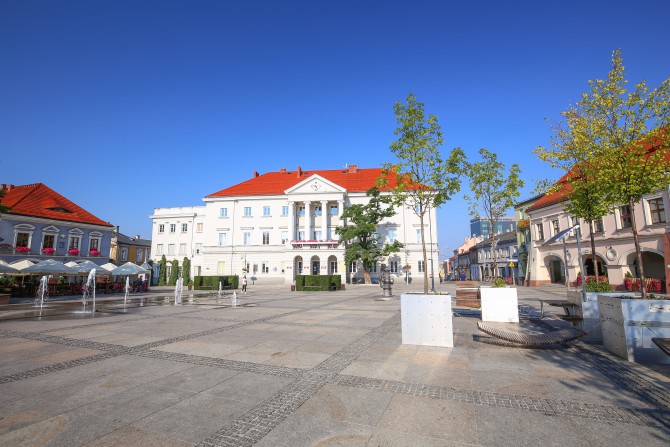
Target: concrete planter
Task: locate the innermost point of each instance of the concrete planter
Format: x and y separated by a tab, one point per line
628	325
499	304
589	312
426	320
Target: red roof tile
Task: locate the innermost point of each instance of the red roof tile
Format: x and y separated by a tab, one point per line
271	183
38	200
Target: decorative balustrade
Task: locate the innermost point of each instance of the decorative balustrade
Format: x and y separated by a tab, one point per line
314	244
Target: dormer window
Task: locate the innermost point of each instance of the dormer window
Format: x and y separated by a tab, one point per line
59	209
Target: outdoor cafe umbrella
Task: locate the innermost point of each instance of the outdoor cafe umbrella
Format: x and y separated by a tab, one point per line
49	267
129	269
6	268
86	266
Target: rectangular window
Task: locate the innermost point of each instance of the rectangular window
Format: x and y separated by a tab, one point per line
49	241
418	235
284	211
173	228
392	236
266	238
625	218
170	249
333	210
317	211
246	238
159	249
223	212
161	228
301	211
198	249
182	249
301	235
184	228
247	211
373	268
352	267
284	237
223	239
598	226
333	267
393	266
421	267
555	227
94	244
221	268
139	256
657	210
198	227
266	211
539	231
124	254
265	267
317	235
73	245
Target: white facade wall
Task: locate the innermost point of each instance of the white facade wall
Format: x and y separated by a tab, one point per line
221	247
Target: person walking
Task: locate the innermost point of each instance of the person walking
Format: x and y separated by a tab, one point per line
244	284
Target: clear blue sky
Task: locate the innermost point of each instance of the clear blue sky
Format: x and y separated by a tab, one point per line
124	106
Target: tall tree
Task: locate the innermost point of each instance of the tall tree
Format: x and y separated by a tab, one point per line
186	268
162	271
571	150
3	208
360	236
628	134
174	273
494	191
421	179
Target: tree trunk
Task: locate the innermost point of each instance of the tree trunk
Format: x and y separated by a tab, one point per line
638	251
425	258
494	254
593	252
366	274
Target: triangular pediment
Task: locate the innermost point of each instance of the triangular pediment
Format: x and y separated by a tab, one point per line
315	184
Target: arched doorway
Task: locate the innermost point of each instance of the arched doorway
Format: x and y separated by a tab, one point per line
588	266
332	265
654	265
556	269
316	265
297	266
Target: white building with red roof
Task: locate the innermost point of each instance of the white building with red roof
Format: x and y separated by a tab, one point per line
41	223
280	224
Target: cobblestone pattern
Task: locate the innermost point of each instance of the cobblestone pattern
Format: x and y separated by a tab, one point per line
234	365
55	368
252	426
623	375
55	339
105	323
552	407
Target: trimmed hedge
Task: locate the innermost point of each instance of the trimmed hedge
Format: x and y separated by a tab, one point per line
323	282
212	282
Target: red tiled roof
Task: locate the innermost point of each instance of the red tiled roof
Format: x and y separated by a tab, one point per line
561	195
271	183
38	200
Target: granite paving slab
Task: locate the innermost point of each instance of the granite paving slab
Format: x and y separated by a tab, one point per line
130	436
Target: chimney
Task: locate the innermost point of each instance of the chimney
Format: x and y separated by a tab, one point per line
10	187
255	174
299	171
282	170
353	169
3	187
137	237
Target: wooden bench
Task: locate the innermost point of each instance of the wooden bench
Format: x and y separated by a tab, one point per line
663	343
528	339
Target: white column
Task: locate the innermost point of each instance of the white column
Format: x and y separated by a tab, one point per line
308	221
324	219
340	210
291	221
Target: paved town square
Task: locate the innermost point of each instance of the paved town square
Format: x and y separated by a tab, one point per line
313	368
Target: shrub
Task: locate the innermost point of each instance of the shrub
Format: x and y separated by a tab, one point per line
323	282
499	282
212	282
602	286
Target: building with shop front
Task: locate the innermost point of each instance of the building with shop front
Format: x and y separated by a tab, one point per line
42	224
281	224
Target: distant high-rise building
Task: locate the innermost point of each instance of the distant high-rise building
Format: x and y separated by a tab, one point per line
482	227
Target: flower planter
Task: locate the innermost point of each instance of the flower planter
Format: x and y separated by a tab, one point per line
588	311
426	320
628	325
499	304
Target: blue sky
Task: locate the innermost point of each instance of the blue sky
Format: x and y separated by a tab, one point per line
124	106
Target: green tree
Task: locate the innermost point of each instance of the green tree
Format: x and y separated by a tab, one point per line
3	208
571	150
628	134
360	236
162	271
421	179
186	271
174	273
494	191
